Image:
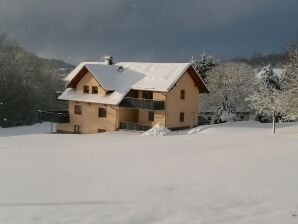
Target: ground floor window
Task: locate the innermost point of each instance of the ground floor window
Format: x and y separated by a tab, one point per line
78	109
101	130
181	117
150	116
102	112
77	129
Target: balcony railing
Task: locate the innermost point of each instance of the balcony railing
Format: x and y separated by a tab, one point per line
54	116
146	104
134	126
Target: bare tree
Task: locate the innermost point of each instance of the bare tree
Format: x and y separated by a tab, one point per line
289	96
230	84
265	99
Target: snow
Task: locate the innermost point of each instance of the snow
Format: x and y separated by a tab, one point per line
227	173
111	99
135	75
227	116
157	130
277	71
27	130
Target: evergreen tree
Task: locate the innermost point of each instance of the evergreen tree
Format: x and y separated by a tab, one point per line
203	65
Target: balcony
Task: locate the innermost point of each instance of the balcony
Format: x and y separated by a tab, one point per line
146	104
134	126
54	116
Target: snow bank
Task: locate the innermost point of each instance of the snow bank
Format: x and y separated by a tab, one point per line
194	131
157	130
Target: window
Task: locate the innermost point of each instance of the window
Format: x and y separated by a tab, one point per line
78	109
182	94
102	112
181	117
150	116
94	89
147	95
86	89
77	129
101	130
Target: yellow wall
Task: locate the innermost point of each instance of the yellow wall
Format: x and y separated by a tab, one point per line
174	105
128	115
89	120
90	81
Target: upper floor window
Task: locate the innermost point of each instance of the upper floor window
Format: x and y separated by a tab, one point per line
182	94
94	89
78	109
181	117
86	89
150	116
147	95
102	112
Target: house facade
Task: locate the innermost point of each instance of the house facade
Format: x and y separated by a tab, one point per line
130	95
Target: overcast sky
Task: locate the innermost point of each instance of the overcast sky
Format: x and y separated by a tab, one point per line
149	30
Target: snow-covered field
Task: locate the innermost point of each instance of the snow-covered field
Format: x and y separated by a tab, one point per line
230	173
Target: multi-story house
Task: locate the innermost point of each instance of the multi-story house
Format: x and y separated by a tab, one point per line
103	96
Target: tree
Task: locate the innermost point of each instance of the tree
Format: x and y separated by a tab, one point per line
289	96
203	65
229	84
265	99
27	84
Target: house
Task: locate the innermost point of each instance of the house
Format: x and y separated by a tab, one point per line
103	96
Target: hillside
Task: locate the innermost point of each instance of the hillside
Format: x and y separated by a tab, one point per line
28	83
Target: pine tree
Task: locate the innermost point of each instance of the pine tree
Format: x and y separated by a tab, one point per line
203	65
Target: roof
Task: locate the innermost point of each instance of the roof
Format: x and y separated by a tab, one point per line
132	75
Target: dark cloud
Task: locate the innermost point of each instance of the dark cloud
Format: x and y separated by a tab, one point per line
149	30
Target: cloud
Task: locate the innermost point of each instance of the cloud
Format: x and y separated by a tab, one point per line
155	30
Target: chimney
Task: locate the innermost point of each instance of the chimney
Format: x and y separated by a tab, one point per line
108	60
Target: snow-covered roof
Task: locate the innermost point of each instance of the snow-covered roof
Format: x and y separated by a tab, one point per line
111	99
124	76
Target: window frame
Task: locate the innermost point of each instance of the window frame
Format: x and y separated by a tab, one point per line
78	109
182	117
182	94
86	89
151	116
102	112
94	88
147	95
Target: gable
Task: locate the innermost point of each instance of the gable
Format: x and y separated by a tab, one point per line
199	82
196	78
89	80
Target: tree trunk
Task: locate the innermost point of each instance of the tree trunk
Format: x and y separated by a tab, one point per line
273	122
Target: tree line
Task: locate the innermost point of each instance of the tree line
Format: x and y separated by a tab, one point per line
234	87
27	83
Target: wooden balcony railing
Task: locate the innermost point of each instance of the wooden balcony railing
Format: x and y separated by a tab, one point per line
54	116
146	104
134	126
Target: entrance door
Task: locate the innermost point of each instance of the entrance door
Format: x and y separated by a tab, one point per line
77	129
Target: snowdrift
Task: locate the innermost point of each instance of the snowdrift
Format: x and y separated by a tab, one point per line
157	130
